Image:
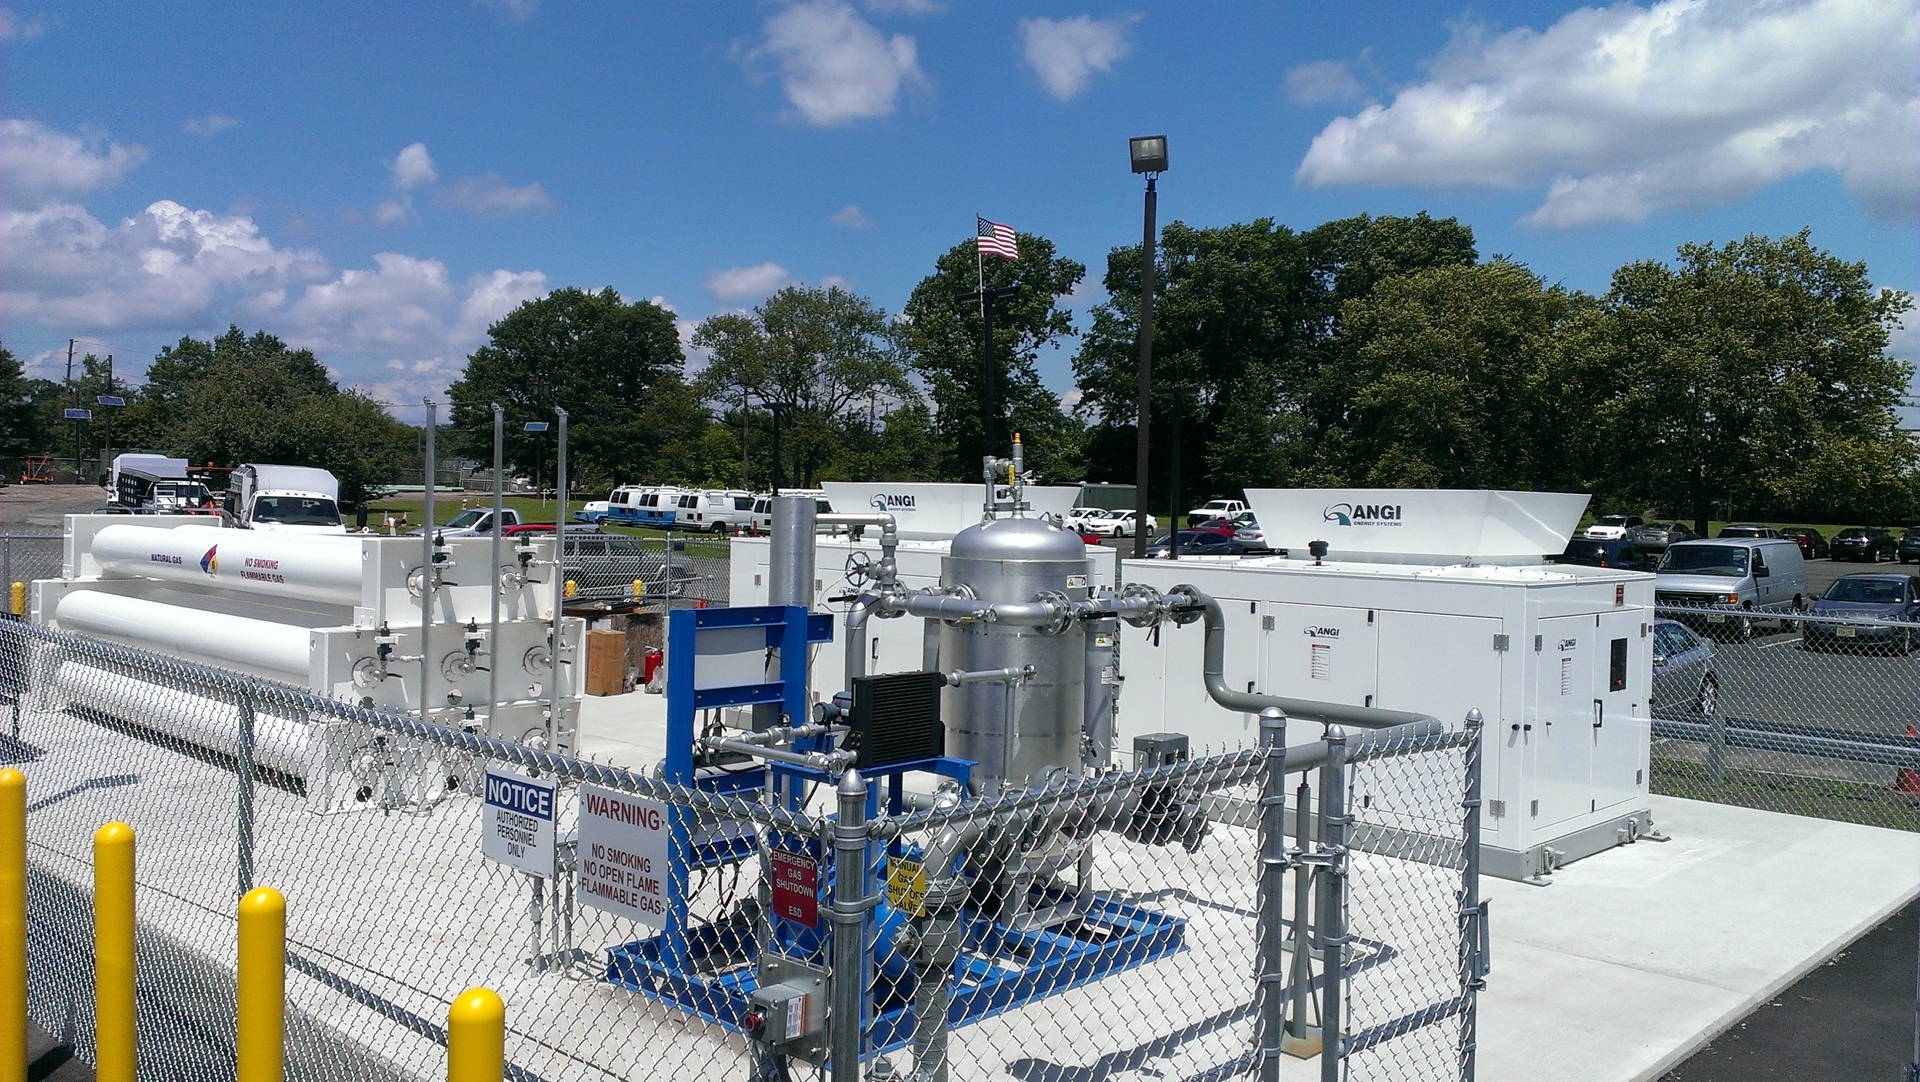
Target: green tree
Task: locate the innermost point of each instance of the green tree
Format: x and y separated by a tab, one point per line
818	355
249	398
940	337
1455	379
1753	373
601	358
23	426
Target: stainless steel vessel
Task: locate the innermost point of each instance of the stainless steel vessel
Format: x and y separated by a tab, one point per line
1014	729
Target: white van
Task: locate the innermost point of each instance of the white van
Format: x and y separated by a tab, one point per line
1728	579
763	507
656	507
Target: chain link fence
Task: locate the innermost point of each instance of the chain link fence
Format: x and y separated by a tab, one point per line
1176	921
25	557
1792	712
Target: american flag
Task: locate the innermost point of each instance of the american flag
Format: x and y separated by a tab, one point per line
995	238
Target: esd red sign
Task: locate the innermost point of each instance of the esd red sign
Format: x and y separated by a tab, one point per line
796	887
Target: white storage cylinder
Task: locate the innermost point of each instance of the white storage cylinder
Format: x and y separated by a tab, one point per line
258	646
270	564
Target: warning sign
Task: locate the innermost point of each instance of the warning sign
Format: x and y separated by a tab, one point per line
516	824
796	887
623	855
907	887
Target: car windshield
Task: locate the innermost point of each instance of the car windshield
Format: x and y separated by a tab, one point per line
466	519
296	511
1730	560
1611	520
1868	591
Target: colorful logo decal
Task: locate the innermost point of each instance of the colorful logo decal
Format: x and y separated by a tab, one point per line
210	563
1341	513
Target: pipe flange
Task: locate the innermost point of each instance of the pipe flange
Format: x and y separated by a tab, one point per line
1062	607
1151	604
416	576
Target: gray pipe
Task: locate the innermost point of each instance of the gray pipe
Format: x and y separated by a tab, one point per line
790	551
1043	613
1243	702
857	635
1102	663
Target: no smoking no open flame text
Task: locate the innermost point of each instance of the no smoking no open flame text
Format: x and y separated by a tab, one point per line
623	855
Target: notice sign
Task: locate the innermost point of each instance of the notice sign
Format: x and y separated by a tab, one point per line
796	887
516	824
623	855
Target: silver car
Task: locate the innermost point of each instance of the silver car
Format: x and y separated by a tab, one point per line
1684	680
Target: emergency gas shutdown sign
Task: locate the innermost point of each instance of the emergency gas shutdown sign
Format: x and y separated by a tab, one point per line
623	855
516	826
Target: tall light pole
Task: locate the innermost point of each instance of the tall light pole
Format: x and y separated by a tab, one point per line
1149	154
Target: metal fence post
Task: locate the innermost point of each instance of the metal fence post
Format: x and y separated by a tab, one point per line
246	770
1472	911
1272	975
849	927
1333	886
1301	1039
1717	745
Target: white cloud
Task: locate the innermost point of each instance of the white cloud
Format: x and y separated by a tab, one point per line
511	11
1065	53
747	283
12	26
1322	81
1627	111
490	196
834	66
396	211
166	265
490	296
38	163
906	7
413	168
211	124
851	217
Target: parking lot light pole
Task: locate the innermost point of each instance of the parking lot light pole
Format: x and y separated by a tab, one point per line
1149	155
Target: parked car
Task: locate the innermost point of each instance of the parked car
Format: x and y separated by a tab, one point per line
762	514
1747	529
1867	543
1247	531
1869	599
605	566
1728	582
1909	546
1684	679
1812	545
1120	524
1612	527
1620	553
474	522
1654	537
1215	509
1197	543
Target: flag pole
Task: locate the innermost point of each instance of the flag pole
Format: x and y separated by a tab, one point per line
979	267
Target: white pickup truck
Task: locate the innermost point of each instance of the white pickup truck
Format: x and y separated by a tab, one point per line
1215	509
474	522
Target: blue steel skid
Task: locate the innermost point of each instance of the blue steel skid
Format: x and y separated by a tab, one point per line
709	968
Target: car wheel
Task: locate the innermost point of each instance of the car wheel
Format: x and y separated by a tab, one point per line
1707	703
1742	629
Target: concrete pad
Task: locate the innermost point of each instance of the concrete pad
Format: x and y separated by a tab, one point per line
625	730
1633	959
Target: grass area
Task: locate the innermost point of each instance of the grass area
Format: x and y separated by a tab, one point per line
448	505
1822	798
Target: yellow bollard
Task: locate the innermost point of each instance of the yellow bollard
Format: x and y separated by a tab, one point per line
13	926
572	587
17	603
477	1037
113	953
639	588
263	985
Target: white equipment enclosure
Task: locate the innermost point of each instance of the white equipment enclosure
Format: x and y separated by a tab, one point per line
1441	604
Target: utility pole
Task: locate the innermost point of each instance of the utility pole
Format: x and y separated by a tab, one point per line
71	405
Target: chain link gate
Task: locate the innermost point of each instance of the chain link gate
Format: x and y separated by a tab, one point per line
1198	926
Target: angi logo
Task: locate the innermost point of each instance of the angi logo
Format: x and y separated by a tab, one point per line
1363	514
883	501
210	563
1314	631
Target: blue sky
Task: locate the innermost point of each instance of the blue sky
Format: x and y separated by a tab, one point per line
378	181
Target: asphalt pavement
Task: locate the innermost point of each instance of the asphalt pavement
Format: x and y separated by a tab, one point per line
1851	1020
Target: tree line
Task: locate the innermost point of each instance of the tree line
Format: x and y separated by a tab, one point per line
1750	377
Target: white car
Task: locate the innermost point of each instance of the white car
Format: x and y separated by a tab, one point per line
1120	524
1215	509
1612	527
1076	515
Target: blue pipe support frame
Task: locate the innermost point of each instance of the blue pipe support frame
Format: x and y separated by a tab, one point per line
709	969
